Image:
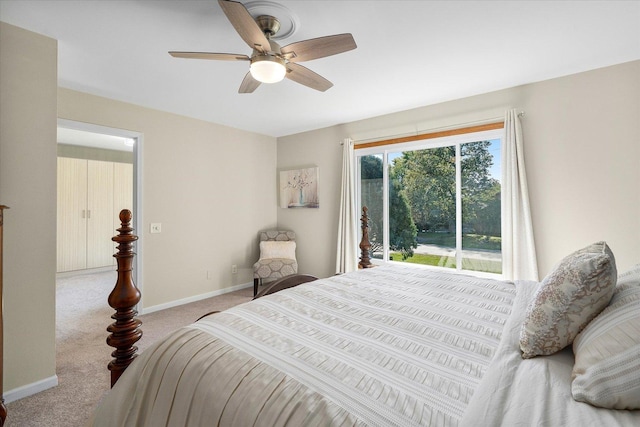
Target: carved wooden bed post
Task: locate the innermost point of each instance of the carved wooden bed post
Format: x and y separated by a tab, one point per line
3	408
365	246
125	330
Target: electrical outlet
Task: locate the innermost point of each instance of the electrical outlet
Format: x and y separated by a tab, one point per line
155	227
234	269
208	274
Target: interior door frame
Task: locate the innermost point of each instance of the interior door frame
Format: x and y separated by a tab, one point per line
137	185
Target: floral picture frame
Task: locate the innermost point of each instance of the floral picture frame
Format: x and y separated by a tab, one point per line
299	188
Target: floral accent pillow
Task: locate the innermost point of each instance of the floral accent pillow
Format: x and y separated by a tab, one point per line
575	292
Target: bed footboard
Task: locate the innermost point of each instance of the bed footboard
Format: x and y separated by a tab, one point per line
125	331
286	282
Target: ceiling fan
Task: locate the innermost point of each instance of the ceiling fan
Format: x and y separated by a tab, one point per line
271	63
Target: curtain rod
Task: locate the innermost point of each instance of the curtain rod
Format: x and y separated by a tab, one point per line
433	132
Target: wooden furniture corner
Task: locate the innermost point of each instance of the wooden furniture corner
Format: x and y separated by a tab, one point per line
3	408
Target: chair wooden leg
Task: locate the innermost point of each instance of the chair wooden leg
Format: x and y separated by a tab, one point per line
255	287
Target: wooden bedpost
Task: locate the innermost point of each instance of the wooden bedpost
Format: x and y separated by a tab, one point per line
125	330
365	245
3	408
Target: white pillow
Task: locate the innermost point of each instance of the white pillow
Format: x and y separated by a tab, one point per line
607	367
575	292
277	249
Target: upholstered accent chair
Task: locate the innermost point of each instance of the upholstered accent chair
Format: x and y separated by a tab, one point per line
277	257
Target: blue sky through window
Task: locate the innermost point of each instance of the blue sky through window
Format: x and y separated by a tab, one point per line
496	151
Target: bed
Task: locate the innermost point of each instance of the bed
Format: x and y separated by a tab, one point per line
394	345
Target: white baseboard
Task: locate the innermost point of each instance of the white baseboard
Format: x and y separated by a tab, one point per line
147	310
29	389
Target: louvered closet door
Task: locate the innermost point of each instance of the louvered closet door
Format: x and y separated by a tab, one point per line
72	212
122	193
100	214
122	190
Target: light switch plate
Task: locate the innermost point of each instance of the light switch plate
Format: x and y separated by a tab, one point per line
156	227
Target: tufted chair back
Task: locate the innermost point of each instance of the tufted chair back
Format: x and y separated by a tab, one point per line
277	235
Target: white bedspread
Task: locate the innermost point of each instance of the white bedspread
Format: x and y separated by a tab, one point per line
385	346
534	392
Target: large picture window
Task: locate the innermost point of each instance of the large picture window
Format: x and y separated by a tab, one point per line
435	202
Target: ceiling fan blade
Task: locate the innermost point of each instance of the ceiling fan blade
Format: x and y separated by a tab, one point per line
307	50
245	25
210	55
305	76
249	84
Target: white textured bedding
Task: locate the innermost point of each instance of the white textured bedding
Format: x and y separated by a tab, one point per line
537	391
392	345
384	346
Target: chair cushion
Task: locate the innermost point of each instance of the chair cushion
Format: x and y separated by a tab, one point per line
274	268
277	249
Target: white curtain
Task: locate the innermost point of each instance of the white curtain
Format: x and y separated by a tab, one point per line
347	253
518	247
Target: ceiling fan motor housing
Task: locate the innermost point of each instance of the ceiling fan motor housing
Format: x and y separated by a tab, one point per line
268	24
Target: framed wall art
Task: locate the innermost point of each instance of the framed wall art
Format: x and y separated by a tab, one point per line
299	188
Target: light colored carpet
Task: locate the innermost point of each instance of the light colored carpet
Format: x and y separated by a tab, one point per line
82	355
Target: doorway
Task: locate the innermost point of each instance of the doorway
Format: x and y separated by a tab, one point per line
104	149
113	158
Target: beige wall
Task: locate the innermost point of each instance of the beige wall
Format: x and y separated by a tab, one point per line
28	83
582	145
210	186
315	229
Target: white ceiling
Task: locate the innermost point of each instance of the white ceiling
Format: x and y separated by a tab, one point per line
410	53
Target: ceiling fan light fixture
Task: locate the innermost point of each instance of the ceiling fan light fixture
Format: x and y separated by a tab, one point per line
268	69
269	63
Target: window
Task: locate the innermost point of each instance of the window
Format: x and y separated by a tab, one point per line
435	202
